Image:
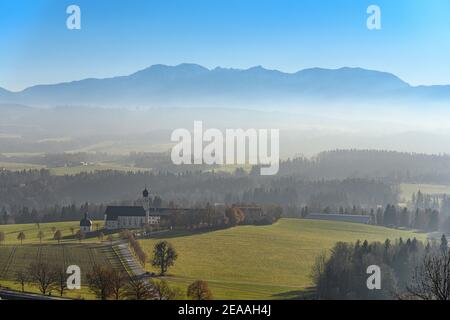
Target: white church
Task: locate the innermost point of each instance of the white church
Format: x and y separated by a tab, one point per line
129	217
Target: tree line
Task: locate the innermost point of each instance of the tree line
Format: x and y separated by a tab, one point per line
409	270
38	193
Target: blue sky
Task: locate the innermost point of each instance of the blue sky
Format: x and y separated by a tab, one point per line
120	37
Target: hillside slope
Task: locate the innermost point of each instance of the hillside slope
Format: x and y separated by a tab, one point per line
263	262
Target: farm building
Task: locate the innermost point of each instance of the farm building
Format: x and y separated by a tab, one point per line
340	217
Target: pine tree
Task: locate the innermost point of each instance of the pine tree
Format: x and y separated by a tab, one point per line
444	244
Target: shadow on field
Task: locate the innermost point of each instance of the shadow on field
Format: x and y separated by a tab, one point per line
305	294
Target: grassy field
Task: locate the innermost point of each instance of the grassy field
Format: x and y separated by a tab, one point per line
124	147
407	189
31	232
262	262
14	258
61	171
13	166
92	168
245	262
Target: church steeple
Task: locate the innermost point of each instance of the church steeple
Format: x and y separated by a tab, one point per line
145	193
146	202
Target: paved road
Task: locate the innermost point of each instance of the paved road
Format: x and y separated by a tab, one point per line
129	259
14	295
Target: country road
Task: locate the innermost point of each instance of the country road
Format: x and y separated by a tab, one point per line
14	295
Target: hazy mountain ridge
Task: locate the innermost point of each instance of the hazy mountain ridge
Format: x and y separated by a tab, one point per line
194	85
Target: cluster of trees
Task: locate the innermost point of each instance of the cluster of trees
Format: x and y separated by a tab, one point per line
103	280
392	216
207	217
54	213
343	275
422	200
296	191
335	164
107	283
422	219
391	166
223	217
47	277
234	216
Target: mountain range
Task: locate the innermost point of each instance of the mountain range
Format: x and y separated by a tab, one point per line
194	85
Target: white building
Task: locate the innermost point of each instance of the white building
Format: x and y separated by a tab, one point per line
85	224
129	217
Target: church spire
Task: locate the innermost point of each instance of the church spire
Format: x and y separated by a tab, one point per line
145	193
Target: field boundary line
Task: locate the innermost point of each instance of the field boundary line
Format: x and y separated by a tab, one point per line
9	262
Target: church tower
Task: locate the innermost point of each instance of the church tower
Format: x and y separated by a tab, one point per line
146	204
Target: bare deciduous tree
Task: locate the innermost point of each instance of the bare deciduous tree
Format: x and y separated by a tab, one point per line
21	236
57	236
60	283
40	235
163	291
431	280
43	274
110	239
22	278
99	280
119	280
139	290
80	235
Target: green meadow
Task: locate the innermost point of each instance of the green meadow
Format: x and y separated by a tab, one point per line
262	262
244	262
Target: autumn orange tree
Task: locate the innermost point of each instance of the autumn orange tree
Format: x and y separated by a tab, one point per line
199	290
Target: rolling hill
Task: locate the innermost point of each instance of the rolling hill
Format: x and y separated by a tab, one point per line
262	262
245	262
